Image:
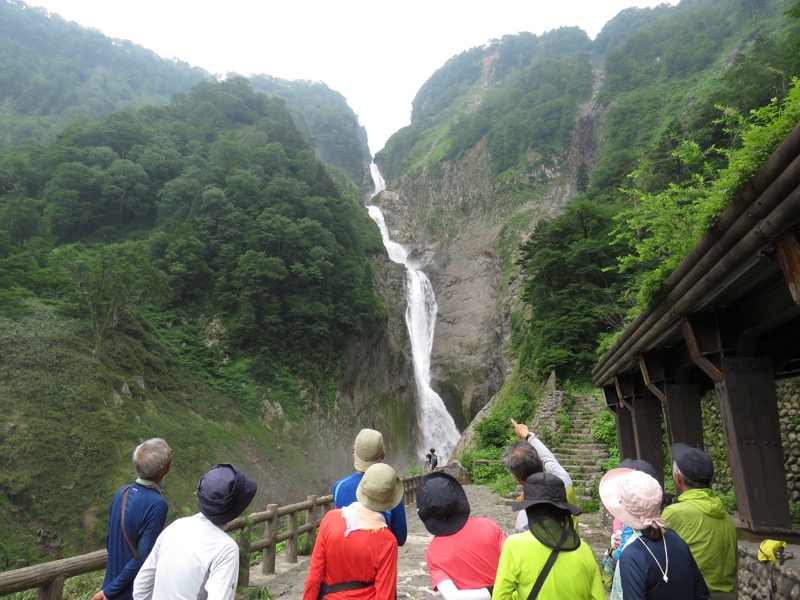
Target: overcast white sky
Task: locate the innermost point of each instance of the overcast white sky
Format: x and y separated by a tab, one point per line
377	54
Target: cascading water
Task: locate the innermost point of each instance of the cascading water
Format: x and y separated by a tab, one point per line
436	426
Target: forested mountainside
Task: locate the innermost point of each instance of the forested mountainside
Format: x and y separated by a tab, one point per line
190	269
549	169
53	71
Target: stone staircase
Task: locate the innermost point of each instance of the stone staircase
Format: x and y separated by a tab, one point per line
578	453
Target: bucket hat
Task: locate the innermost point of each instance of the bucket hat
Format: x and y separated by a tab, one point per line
380	488
367	449
224	492
442	504
545	488
633	497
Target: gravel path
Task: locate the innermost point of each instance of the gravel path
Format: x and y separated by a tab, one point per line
412	574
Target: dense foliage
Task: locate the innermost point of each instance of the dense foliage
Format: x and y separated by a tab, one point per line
322	112
53	70
232	207
674	93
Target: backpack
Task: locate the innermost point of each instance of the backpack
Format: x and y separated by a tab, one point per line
434	460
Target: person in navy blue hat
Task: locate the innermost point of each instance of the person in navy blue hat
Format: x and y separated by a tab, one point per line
194	557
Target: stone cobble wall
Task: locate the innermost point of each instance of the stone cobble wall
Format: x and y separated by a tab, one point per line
788	395
766	581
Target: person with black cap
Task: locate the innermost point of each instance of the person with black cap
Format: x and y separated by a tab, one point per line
194	557
700	518
368	450
549	561
355	555
462	557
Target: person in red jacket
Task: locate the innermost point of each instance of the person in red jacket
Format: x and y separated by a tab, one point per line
355	555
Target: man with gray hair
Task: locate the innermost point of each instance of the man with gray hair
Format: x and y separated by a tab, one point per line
135	519
700	518
525	458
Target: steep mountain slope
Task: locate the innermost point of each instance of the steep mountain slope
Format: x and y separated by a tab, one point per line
53	71
505	135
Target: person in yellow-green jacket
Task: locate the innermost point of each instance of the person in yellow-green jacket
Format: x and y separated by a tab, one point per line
550	557
700	518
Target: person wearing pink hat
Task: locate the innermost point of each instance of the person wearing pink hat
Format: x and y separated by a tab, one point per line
656	564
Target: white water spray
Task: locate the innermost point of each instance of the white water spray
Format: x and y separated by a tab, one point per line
436	426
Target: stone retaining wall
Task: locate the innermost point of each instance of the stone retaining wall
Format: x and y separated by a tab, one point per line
755	581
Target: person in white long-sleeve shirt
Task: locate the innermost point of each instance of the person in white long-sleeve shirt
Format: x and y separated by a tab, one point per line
194	557
523	459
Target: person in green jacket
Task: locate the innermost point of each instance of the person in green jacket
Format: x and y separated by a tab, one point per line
573	574
700	518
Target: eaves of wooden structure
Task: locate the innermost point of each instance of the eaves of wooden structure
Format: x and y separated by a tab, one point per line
728	318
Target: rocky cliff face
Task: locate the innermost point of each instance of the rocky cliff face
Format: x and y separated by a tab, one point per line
455	216
376	389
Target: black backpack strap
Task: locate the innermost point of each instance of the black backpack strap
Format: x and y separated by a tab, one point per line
543	575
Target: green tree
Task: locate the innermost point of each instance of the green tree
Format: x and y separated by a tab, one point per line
111	281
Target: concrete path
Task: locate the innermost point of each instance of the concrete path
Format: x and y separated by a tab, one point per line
412	579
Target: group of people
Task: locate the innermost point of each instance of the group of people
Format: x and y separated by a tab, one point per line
193	557
469	558
687	551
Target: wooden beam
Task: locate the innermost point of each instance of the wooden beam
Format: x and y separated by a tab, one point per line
787	249
696	350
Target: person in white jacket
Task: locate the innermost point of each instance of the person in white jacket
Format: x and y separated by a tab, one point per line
194	557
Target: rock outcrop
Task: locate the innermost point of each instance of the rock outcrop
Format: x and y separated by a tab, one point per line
458	220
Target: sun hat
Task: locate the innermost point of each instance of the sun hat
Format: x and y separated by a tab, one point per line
442	504
368	449
693	463
545	488
633	497
380	488
224	492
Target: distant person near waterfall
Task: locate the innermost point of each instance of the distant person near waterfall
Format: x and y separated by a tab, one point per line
368	450
431	460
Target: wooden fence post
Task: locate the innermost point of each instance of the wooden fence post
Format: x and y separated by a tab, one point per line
270	533
53	591
291	543
311	519
244	554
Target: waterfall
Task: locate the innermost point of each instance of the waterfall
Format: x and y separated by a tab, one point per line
436	426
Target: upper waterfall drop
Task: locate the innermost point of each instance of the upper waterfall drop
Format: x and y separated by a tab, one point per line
437	428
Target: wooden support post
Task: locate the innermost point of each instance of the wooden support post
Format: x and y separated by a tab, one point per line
271	534
52	591
683	414
752	429
625	436
311	519
244	554
648	434
291	543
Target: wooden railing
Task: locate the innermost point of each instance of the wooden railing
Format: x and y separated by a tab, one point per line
281	523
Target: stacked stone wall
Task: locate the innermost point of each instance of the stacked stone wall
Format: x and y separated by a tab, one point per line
788	397
766	581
